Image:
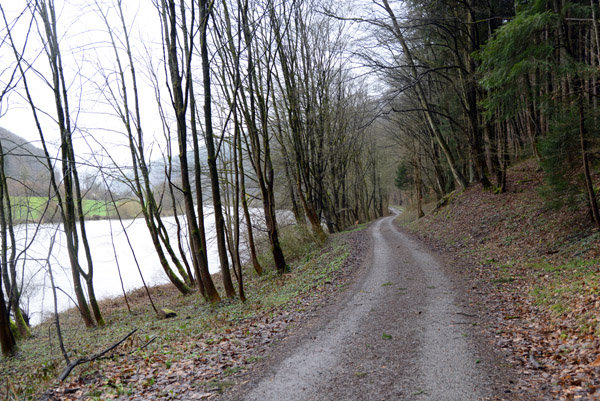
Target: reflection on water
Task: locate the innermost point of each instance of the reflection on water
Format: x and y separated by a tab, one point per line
114	246
111	248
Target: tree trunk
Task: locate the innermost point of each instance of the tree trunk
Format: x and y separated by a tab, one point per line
258	140
589	184
236	211
456	173
312	215
55	299
251	245
7	341
205	10
8	260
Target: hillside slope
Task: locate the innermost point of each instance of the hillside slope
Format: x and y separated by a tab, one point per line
537	271
23	161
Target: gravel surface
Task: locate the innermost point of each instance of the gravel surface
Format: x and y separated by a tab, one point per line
402	332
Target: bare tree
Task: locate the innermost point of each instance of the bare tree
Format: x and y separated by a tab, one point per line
181	92
205	8
251	94
69	195
229	50
322	118
7	340
128	110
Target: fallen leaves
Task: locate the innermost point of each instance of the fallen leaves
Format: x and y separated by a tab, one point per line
536	272
155	374
200	366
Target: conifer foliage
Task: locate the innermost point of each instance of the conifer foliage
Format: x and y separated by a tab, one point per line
551	49
476	86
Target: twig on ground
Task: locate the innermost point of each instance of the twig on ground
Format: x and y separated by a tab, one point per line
72	365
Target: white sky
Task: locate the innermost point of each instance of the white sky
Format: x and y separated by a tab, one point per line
84	46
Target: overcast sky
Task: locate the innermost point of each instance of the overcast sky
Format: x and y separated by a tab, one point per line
85	47
89	62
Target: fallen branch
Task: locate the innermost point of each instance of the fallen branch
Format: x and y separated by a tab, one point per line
72	365
148	343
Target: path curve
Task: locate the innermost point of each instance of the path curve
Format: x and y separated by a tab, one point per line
401	334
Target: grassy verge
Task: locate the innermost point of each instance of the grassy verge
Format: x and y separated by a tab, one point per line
204	345
569	291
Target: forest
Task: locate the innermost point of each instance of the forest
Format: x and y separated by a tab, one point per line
245	109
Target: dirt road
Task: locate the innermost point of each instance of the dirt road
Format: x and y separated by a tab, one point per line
400	333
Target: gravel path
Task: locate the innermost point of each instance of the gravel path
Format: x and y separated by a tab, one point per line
400	333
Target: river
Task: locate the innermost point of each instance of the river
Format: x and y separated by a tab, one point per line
113	246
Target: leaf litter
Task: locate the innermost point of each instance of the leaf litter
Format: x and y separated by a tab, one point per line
536	271
202	352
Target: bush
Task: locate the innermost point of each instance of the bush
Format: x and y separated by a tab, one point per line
297	240
129	209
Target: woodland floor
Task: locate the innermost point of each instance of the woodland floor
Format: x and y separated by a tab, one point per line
537	271
194	355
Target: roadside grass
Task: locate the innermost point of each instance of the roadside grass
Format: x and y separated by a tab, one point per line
357	227
201	332
563	288
559	288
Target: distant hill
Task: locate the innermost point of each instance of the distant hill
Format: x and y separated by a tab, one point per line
24	162
157	171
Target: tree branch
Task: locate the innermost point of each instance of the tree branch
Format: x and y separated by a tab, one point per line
80	361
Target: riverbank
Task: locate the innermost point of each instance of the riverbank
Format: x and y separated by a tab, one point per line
38	209
195	352
536	271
